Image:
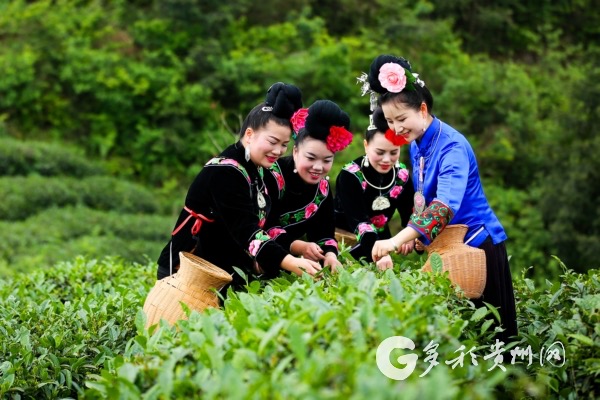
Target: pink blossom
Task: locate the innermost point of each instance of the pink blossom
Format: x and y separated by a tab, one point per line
254	246
403	174
364	185
261	223
324	187
379	220
274	232
310	210
396	190
392	77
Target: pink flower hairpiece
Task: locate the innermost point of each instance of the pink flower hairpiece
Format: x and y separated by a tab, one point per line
394	78
298	119
338	139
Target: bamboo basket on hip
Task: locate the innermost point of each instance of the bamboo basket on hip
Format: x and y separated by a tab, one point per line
466	265
195	284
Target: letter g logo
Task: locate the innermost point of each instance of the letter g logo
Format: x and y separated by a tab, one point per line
383	358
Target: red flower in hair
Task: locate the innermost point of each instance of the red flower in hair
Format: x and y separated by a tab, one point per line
298	119
339	138
396	140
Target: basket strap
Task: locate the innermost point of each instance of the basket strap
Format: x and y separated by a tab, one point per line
197	225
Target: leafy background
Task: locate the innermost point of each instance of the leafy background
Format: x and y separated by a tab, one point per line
108	109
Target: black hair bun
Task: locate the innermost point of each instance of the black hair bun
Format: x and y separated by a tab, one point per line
376	65
322	115
284	98
379	120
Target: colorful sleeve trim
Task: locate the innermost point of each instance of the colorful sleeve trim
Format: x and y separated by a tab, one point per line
257	242
276	171
433	220
328	242
363	228
302	214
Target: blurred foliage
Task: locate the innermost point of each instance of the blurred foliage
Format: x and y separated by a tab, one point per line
155	88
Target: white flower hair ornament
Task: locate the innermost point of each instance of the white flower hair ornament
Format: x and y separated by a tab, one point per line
394	78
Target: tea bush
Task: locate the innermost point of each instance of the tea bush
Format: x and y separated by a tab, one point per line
76	330
46	159
60	234
60	325
26	196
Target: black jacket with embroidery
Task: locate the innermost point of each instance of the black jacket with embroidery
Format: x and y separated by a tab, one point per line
354	203
223	192
302	210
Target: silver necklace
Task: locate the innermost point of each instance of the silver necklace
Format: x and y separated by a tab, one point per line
419	197
381	202
260	198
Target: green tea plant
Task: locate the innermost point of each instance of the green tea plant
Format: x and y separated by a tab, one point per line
59	325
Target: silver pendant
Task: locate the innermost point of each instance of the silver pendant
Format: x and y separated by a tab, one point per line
380	203
419	203
260	199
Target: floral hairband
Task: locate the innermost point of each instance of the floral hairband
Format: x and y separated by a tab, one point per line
395	78
338	139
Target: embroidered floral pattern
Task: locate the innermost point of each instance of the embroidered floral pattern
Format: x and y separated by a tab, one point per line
276	171
396	190
260	238
363	228
302	214
233	163
262	213
433	220
328	242
274	232
379	222
403	173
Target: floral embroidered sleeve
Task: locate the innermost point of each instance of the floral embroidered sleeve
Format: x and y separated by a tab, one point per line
432	221
238	211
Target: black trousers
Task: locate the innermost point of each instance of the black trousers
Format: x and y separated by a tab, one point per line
499	289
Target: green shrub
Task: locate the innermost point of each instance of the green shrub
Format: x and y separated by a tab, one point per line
296	338
26	196
60	234
47	159
60	325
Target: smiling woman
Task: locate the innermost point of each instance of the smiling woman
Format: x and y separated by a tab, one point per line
304	209
227	204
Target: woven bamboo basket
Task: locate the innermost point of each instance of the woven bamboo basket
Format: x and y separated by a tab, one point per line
342	235
465	264
193	284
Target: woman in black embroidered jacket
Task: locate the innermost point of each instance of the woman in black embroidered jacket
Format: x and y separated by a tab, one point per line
227	204
371	188
305	206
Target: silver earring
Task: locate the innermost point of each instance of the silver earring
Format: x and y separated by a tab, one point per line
247	152
327	178
397	165
424	122
366	161
295	171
